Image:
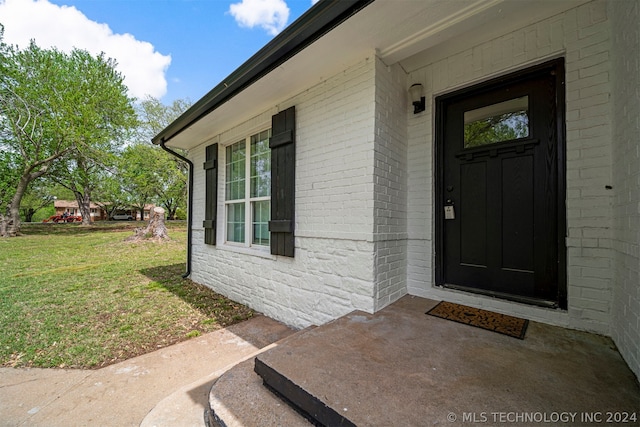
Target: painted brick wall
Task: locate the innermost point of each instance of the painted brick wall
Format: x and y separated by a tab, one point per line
328	278
332	272
351	204
582	36
625	57
390	184
335	122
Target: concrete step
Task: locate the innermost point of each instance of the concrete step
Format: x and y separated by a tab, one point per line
401	367
284	375
238	398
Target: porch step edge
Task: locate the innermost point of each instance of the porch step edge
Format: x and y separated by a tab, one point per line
309	406
239	399
216	418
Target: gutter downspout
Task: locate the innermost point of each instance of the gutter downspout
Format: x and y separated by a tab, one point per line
189	204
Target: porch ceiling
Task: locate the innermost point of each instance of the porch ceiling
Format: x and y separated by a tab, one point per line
407	35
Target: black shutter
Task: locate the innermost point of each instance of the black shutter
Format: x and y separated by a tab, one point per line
283	172
211	194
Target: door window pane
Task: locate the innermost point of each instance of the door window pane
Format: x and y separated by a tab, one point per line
499	122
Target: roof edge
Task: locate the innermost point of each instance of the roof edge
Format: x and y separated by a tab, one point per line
312	25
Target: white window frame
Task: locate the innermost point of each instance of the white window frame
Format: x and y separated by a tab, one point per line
247	200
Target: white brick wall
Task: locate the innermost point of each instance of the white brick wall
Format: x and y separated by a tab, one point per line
334	170
625	57
327	278
351	204
582	36
390	184
332	272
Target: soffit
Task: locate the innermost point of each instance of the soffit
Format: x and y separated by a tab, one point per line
396	31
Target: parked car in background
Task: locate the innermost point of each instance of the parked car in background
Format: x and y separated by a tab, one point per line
122	217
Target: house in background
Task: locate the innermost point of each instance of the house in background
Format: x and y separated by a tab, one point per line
98	212
71	207
484	152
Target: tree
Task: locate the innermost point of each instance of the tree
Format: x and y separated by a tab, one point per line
497	128
81	174
9	163
171	173
37	196
138	172
150	175
155	116
173	193
8	181
53	105
109	193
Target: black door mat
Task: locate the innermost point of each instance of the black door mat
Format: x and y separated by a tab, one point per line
496	322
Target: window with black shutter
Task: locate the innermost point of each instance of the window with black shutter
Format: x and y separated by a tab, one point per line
282	144
211	194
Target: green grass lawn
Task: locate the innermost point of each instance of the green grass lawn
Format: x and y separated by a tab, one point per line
82	297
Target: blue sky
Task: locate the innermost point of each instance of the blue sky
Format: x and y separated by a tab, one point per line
168	49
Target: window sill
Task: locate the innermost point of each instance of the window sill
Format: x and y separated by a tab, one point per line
253	251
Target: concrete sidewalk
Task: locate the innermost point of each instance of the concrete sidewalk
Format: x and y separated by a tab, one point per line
168	387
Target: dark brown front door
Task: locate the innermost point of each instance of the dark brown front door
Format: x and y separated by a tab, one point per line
500	221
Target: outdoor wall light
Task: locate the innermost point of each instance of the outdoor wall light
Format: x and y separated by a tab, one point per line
417	98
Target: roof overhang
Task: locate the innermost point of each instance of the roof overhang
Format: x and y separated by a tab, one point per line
335	34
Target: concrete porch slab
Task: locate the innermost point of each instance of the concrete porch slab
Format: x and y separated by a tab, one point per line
403	367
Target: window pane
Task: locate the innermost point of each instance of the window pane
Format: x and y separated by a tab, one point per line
261	216
499	122
260	165
235	222
235	174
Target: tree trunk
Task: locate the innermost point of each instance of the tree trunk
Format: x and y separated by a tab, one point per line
155	230
28	214
10	226
3	225
171	209
12	220
84	204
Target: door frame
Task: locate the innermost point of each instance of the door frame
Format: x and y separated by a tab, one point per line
555	67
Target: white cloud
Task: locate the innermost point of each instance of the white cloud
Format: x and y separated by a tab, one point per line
66	27
271	15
